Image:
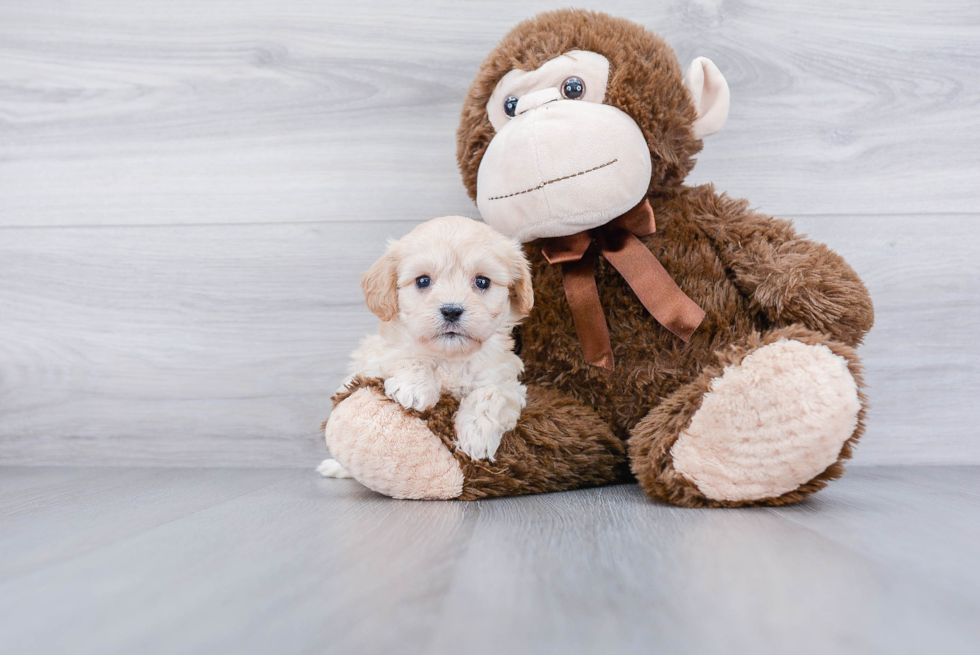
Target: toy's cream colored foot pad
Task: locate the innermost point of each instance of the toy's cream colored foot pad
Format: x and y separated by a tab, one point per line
388	450
769	424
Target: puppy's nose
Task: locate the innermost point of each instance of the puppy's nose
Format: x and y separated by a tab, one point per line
451	312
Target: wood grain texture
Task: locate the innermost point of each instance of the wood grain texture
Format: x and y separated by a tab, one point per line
220	345
178	344
190	112
881	562
189	189
922	358
84	509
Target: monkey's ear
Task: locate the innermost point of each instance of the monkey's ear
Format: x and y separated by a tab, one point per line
711	96
380	287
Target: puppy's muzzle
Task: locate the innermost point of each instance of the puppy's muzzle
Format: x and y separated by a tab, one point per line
451	313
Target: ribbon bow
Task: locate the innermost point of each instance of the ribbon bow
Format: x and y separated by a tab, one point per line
617	241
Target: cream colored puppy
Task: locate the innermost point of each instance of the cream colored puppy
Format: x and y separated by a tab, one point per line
449	294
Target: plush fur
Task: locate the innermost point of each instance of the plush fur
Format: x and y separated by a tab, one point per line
653	438
388	449
770	423
420	353
696	241
644	82
759	282
558	445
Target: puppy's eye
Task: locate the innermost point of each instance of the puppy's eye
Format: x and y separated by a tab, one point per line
423	281
573	88
482	283
510	106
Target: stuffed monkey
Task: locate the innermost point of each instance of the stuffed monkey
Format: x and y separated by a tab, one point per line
677	338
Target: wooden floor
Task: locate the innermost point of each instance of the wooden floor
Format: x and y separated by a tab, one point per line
126	560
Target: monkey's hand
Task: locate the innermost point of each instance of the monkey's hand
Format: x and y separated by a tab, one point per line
800	281
786	277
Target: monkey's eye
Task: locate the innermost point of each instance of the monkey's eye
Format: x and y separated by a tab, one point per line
482	283
510	106
573	88
423	281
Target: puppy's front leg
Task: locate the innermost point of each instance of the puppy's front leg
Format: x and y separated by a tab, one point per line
414	386
484	415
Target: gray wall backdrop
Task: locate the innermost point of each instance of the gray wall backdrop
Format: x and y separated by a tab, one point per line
189	189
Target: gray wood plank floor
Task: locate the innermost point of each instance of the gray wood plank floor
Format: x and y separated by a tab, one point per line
259	561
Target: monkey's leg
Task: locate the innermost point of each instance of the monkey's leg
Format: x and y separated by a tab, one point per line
558	444
771	424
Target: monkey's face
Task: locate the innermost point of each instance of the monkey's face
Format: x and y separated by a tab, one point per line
575	116
561	161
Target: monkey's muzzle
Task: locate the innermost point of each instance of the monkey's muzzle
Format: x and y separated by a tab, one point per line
561	168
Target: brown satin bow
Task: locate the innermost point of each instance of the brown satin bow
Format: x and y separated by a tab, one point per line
617	241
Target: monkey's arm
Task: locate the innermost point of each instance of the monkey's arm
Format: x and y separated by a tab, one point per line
788	278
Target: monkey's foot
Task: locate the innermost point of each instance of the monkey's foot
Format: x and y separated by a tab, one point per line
390	450
770	428
558	444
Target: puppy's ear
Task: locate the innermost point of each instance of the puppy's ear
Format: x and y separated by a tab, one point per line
380	287
523	290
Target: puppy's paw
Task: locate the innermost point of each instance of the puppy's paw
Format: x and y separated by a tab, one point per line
413	393
477	435
331	468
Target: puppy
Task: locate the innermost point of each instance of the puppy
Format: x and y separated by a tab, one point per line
449	294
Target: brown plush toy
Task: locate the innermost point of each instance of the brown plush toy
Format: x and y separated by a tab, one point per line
676	336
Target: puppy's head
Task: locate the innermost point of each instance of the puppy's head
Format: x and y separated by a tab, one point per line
453	282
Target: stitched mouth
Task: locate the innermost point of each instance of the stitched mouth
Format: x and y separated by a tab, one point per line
557	179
